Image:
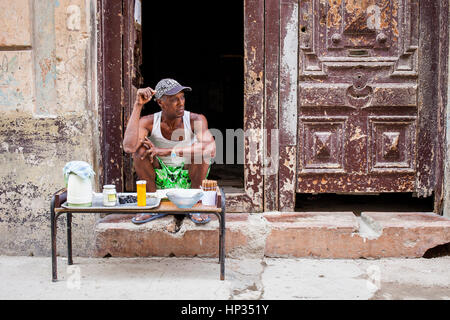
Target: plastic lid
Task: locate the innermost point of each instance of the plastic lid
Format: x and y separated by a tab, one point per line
109	186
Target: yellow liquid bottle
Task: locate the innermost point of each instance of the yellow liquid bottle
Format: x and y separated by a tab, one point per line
141	187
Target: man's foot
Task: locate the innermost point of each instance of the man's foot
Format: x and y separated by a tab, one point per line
199	218
144	217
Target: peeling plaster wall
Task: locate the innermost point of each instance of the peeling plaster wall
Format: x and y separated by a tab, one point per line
446	206
48	117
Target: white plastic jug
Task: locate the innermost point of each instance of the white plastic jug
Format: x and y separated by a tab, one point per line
79	191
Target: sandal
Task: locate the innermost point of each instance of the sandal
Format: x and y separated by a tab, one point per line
152	217
196	216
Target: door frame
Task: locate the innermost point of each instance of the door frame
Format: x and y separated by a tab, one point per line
434	20
110	91
114	94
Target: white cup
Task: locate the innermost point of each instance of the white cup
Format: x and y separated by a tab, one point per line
209	198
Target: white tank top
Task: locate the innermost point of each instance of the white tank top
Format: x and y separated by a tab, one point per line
160	142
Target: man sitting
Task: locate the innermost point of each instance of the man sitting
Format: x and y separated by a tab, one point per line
171	148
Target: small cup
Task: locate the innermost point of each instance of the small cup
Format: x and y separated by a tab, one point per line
141	187
209	198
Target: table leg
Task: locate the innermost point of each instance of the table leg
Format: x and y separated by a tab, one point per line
222	237
219	217
222	248
69	239
53	239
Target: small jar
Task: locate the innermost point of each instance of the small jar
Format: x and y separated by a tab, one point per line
109	195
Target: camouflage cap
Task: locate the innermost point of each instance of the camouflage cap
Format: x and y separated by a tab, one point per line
169	87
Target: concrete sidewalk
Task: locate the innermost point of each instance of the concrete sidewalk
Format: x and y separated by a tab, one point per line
198	278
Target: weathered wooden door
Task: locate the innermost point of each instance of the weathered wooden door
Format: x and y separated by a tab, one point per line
119	56
133	80
364	125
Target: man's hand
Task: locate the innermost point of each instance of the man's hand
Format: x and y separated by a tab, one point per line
144	95
151	151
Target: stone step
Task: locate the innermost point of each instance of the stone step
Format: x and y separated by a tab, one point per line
276	234
117	236
344	235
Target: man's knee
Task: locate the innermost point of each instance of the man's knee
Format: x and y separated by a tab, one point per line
198	168
141	163
138	161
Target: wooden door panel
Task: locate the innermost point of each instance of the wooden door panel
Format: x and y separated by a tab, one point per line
358	105
392	144
323	143
133	80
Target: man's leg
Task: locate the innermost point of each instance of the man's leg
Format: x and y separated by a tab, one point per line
197	173
145	171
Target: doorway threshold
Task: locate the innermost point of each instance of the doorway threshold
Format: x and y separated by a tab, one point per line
357	203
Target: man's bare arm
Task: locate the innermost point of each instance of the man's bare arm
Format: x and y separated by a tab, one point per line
136	130
204	136
205	147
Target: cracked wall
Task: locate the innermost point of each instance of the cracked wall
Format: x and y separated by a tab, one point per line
49	117
446	206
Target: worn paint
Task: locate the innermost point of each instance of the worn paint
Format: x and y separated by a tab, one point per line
288	74
334	15
394	21
16	80
255	84
357	135
73	21
43	125
289	65
357	114
446	204
31	172
44	49
442	80
253	105
72	42
286	181
15	24
271	91
427	100
112	92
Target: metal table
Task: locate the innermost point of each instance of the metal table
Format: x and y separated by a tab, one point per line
59	198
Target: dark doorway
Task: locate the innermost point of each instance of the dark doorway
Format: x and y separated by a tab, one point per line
387	202
201	46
